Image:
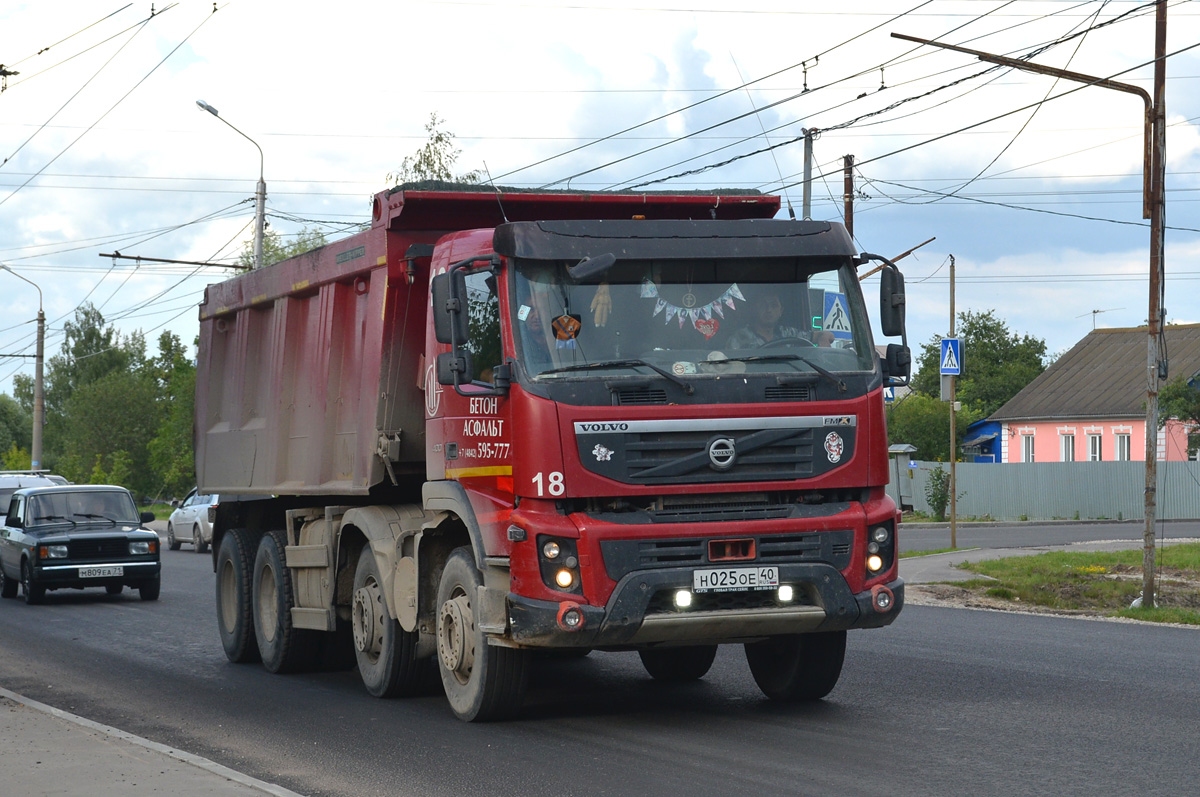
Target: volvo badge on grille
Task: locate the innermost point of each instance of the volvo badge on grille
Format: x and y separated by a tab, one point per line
721	453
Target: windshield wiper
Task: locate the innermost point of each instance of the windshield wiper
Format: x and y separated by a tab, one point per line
96	517
56	517
687	387
833	378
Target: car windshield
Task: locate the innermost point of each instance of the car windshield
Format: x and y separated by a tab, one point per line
82	507
692	317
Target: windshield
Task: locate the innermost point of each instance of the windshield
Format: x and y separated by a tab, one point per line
81	507
692	318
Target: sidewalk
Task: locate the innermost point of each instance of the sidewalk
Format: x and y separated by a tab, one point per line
939	567
47	751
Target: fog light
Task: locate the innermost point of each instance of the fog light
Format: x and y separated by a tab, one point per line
683	599
551	550
785	593
570	616
882	599
879	534
872	547
875	563
564	578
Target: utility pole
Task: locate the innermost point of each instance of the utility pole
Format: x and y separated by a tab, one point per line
806	207
1154	200
39	396
848	193
953	431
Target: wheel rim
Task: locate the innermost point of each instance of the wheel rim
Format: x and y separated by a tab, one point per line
367	619
456	643
268	612
170	535
228	595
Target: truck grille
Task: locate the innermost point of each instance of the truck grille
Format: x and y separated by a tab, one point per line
625	556
716	451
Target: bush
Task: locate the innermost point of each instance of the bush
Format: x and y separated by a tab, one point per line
937	493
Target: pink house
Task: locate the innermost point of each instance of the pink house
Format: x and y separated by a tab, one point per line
1090	404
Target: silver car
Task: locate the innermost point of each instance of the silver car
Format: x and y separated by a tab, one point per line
189	522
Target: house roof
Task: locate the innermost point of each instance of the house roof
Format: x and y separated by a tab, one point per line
1102	376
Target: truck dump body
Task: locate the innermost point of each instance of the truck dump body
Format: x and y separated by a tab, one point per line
310	368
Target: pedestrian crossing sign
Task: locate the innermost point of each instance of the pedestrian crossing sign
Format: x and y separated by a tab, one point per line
951	357
837	319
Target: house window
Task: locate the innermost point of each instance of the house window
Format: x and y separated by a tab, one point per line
1066	444
1027	448
1122	448
1095	454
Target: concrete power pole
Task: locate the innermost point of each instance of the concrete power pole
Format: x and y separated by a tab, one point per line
848	193
1153	208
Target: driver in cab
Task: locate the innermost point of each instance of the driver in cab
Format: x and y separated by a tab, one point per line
765	311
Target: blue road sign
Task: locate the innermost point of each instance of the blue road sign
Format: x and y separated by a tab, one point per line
951	357
837	319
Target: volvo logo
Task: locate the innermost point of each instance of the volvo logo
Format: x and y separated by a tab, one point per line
721	453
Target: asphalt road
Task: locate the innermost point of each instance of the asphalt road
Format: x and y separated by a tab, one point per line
946	701
933	537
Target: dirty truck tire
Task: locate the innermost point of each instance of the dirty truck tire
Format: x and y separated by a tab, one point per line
235	620
34	593
283	647
8	586
172	541
678	665
482	682
148	590
797	668
386	653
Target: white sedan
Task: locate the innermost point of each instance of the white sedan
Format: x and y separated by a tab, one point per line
190	522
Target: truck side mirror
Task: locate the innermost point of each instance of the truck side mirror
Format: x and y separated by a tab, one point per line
455	367
891	302
449	308
897	363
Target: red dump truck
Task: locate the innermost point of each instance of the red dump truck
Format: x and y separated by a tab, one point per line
500	422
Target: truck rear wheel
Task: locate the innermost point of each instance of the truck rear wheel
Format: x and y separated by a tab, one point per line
677	665
283	647
386	653
482	682
235	620
797	668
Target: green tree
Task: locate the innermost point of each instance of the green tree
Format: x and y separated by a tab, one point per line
172	453
275	248
434	160
16	458
997	363
924	421
1181	401
117	414
16	425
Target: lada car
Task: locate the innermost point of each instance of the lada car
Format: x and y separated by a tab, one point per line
74	537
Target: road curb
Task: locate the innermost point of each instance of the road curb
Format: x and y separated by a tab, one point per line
179	755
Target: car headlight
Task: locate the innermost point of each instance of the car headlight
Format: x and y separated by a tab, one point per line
141	547
54	551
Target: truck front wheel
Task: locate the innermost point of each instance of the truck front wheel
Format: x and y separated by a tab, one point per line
386	653
677	665
797	668
235	620
482	682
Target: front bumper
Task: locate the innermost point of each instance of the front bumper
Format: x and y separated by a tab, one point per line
68	575
824	603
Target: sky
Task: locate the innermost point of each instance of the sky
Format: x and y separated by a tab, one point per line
1035	196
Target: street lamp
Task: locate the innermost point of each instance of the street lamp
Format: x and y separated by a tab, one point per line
39	396
260	191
